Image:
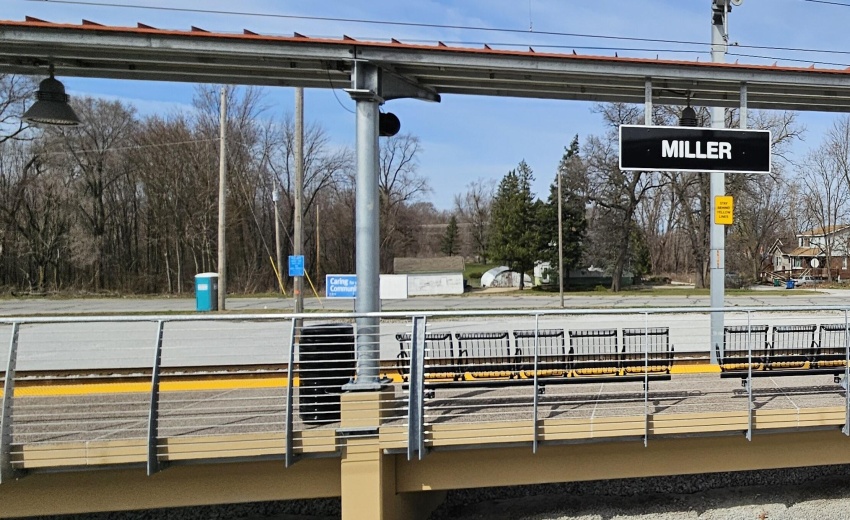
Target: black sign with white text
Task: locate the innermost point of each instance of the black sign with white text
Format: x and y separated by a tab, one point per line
675	148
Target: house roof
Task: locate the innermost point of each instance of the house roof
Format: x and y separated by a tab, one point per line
821	231
441	264
806	251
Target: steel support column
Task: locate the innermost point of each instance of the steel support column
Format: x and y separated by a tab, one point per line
717	255
365	88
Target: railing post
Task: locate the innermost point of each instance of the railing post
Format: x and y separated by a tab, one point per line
534	440
416	391
154	464
645	379
290	458
750	405
846	382
7	472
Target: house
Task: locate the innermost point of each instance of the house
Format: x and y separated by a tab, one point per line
431	276
819	252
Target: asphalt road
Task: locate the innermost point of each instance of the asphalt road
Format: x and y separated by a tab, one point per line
762	296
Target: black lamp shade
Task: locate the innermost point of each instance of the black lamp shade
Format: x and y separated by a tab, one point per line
51	106
689	117
388	124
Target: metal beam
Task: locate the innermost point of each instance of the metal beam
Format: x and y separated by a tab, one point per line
423	72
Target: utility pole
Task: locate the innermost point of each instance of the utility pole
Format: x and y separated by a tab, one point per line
717	256
318	244
222	201
560	239
278	252
298	246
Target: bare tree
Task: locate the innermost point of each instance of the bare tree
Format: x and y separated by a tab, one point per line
15	92
825	185
400	185
615	192
95	170
474	207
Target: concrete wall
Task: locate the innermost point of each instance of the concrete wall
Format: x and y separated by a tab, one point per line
434	284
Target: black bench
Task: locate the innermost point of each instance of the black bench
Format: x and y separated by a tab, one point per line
592	355
647	350
440	359
486	354
832	345
551	352
792	350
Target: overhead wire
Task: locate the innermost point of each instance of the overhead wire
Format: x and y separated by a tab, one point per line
828	2
507	30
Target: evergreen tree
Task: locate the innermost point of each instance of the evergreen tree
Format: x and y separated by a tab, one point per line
514	236
450	244
574	220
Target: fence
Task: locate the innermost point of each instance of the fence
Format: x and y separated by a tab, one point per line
82	392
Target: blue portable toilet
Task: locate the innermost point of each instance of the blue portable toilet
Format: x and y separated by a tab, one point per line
206	292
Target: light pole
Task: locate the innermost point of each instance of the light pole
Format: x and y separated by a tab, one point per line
298	224
560	239
717	255
222	202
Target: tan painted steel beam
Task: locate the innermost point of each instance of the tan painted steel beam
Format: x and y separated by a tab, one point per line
178	486
458	469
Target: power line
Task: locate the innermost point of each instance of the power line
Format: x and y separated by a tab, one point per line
827	2
443	26
508	30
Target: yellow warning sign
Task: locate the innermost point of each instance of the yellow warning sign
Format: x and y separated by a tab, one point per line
724	207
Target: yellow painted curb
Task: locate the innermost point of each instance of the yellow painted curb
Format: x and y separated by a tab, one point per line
704	368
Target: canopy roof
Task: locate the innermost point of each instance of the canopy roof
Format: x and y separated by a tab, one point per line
144	52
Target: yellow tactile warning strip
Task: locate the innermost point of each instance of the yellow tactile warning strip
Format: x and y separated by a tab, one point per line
206	384
125	387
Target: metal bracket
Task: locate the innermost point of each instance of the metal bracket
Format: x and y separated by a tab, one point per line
7	471
154	464
372	83
416	392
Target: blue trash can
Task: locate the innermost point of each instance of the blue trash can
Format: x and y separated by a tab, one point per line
206	292
789	284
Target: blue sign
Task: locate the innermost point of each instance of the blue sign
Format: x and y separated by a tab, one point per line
341	286
296	265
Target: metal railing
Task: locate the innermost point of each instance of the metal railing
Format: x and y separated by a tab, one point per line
158	390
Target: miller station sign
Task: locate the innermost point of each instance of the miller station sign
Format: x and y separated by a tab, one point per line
682	149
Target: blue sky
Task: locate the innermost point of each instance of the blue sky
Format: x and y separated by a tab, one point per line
467	138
